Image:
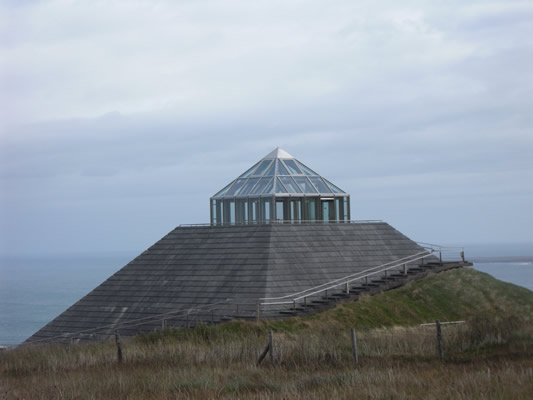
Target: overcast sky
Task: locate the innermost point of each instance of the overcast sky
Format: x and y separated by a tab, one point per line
119	119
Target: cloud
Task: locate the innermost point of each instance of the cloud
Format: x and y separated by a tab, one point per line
132	114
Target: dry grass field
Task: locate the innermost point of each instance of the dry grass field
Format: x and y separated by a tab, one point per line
490	356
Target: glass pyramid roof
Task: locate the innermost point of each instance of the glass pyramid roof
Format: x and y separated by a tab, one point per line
279	173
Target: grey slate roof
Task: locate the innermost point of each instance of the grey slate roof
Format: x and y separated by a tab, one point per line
200	266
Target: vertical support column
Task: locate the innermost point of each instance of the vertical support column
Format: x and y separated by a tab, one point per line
405	269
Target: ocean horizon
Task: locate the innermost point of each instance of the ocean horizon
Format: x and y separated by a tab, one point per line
35	289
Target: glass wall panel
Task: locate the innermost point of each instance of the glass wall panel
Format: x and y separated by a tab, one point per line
337	209
304	184
220	211
231	212
213	212
241	212
310	209
267	209
281	169
254	210
289	184
279	211
296	210
346	209
291	165
325	211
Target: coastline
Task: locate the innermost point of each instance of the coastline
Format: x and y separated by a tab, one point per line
508	259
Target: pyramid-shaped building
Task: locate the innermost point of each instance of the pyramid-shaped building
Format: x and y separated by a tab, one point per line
280	239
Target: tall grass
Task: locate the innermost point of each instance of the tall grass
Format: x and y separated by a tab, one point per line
483	358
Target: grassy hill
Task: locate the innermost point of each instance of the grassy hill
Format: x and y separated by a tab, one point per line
489	356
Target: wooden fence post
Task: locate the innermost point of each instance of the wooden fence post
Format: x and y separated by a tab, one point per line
439	340
119	346
271	346
354	346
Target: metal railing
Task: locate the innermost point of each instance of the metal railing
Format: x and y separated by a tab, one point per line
285	221
445	254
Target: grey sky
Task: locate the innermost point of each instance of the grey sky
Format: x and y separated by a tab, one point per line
120	118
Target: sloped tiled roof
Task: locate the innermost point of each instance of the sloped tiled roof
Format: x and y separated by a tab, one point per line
278	173
195	266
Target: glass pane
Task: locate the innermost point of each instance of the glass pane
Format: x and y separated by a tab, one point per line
311	209
304	184
262	167
248	186
249	172
213	212
291	165
223	191
258	189
346	214
281	169
266	210
236	186
279	211
270	187
255	209
231	212
333	188
289	184
320	184
325	211
306	170
270	171
280	188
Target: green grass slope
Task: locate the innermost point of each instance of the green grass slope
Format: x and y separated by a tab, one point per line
452	295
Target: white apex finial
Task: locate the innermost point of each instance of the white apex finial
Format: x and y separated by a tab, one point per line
277	153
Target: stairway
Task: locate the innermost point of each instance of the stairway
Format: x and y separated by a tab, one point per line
377	285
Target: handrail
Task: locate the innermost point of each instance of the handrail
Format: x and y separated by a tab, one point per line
294	297
438	246
344	281
286	221
348	276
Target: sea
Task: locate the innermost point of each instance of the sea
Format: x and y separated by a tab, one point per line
36	289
